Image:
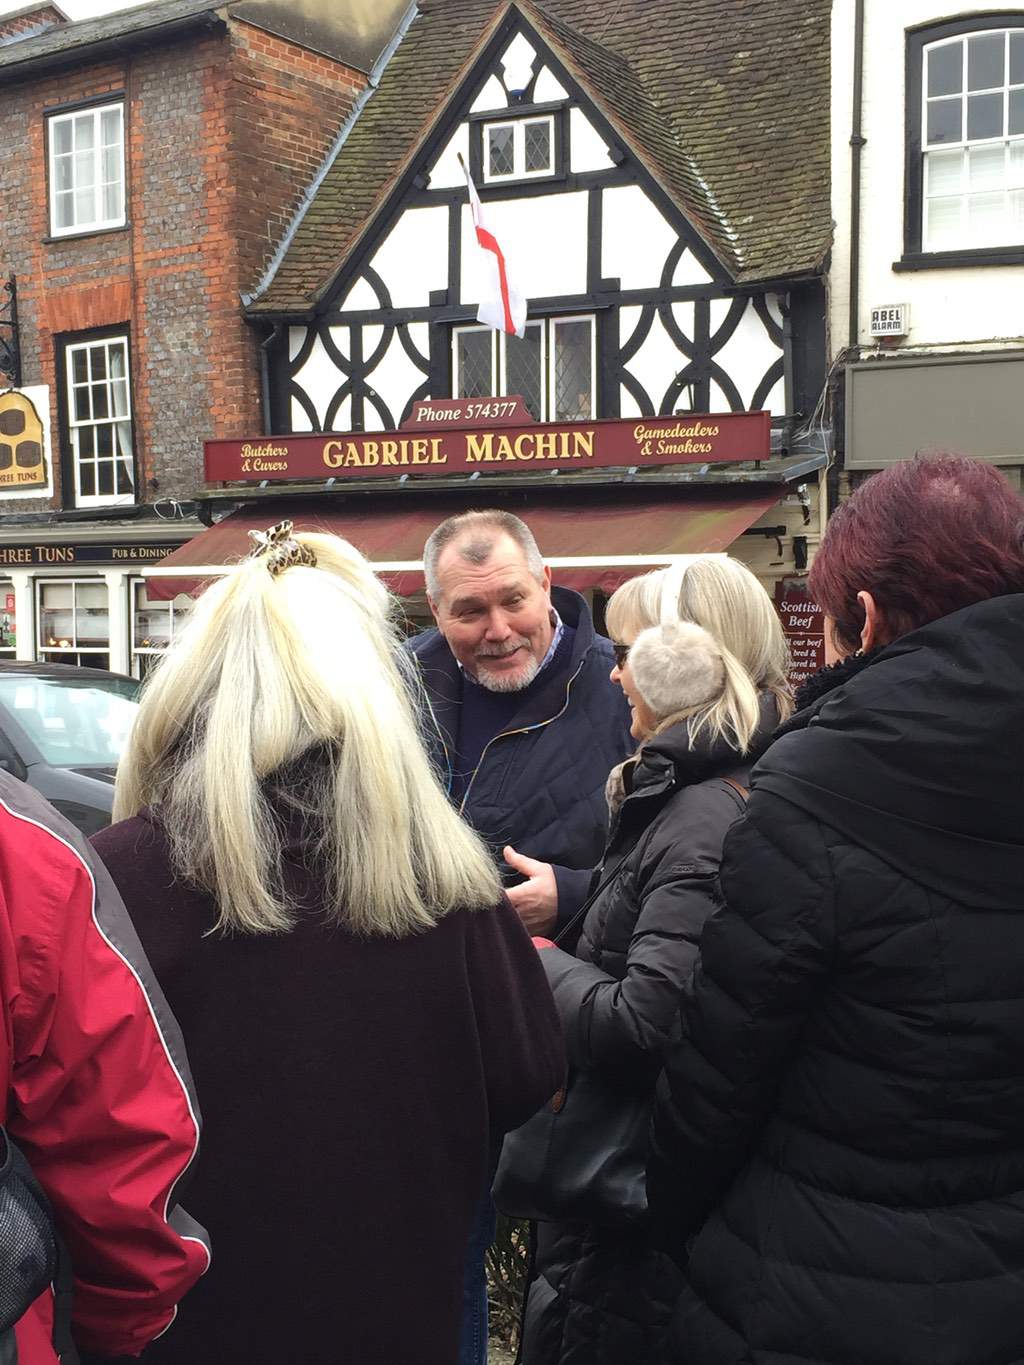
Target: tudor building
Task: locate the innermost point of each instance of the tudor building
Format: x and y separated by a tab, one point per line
660	190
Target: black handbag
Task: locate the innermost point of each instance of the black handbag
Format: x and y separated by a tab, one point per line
583	1157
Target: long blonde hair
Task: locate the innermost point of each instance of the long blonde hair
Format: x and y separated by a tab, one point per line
267	670
727	600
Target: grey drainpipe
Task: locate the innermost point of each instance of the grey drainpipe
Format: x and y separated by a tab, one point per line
857	141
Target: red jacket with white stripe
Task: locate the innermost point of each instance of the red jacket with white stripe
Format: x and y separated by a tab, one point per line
96	1085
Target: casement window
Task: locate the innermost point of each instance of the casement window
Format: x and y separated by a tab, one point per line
966	138
518	149
97	401
553	367
86	153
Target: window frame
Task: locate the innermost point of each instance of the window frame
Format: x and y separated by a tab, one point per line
136	651
55	653
95	109
499	340
519	172
550	358
915	256
71	481
557	112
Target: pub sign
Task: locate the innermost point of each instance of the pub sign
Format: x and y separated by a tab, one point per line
22	444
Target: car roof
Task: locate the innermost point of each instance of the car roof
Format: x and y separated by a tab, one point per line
70	671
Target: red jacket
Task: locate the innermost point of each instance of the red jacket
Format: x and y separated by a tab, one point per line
98	1094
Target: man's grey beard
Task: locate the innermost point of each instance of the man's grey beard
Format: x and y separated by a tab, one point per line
507	682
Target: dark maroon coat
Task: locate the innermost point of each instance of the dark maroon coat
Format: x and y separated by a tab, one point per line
349	1090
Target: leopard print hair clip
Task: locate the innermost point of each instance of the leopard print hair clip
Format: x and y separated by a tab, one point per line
280	549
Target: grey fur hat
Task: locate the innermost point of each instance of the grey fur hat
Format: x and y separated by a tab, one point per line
677	666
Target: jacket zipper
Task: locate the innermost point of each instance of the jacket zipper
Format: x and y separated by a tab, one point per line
507	734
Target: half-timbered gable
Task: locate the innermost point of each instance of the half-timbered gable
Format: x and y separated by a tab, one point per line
629	265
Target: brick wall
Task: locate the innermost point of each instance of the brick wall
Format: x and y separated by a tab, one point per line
287	106
29	22
224	131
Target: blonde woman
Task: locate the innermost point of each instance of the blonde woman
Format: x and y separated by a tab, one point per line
363	1011
701	658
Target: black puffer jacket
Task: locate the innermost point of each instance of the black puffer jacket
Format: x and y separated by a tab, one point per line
604	1297
847	1100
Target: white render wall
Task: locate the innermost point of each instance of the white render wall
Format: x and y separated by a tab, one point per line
979	307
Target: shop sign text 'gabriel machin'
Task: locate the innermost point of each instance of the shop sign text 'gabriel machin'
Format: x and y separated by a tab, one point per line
490	436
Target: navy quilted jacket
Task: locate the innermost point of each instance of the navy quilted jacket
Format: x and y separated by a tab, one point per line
844	1112
539	784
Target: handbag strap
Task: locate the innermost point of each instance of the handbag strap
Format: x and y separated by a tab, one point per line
604	884
606	881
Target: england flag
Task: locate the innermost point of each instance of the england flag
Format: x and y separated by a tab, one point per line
501	304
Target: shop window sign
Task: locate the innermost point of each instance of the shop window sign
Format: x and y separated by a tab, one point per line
8	634
803	624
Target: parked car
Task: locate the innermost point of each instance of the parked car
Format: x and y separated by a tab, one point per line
62	730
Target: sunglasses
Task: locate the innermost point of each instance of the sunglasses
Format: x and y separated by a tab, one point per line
621	653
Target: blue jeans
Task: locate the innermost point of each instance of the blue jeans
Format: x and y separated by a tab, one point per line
473	1345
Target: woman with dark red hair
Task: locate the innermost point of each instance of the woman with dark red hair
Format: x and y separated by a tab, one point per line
839	1137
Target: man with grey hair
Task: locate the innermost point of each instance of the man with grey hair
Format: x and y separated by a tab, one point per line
526	726
527	723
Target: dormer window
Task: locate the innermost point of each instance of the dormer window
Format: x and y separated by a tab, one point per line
518	149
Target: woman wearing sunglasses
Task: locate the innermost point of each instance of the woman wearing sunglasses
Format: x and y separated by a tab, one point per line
701	657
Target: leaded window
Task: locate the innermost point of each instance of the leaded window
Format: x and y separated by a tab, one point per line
518	149
553	367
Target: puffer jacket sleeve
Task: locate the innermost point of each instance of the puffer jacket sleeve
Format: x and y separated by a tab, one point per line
621	1027
99	1095
520	1036
765	955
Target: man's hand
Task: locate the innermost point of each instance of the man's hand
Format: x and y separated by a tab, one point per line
536	899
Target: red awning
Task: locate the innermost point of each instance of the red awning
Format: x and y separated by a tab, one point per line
604	531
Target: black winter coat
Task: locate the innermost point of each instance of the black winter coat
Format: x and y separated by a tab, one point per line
539	784
603	1297
847	1100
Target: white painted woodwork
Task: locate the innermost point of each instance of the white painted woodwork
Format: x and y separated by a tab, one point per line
637	238
588	150
548	88
544	242
413	258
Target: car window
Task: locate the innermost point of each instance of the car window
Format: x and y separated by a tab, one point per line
75	724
